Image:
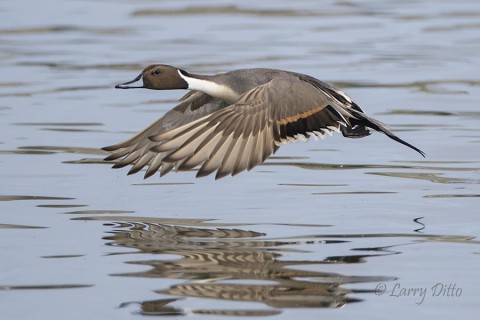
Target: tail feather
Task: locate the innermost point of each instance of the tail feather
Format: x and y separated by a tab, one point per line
365	120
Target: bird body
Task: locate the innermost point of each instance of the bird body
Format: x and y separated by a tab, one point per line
233	121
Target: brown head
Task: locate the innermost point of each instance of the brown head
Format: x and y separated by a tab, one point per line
158	77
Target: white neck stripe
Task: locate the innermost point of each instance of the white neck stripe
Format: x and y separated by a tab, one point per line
211	88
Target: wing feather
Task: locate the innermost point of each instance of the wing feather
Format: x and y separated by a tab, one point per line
141	162
137	150
154	165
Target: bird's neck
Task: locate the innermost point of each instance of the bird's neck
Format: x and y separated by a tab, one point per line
210	85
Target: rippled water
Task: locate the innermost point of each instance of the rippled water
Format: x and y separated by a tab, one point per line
340	228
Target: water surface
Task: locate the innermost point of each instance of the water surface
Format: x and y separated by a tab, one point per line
339	228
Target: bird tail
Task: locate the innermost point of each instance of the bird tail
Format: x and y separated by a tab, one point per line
364	120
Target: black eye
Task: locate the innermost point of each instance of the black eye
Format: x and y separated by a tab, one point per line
157	71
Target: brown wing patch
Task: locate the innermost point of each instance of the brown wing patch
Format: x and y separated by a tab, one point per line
316	121
296	117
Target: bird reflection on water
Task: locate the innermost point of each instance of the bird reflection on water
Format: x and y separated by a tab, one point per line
231	263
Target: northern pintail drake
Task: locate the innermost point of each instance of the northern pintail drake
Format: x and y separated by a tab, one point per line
233	121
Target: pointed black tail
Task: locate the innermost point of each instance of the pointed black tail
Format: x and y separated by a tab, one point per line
365	120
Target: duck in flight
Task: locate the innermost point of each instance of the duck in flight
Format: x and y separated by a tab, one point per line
231	122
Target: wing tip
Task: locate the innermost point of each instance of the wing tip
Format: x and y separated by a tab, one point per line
110	158
148	174
134	170
119	165
221	174
110	148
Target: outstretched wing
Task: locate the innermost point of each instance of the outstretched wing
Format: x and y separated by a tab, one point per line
244	134
136	150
